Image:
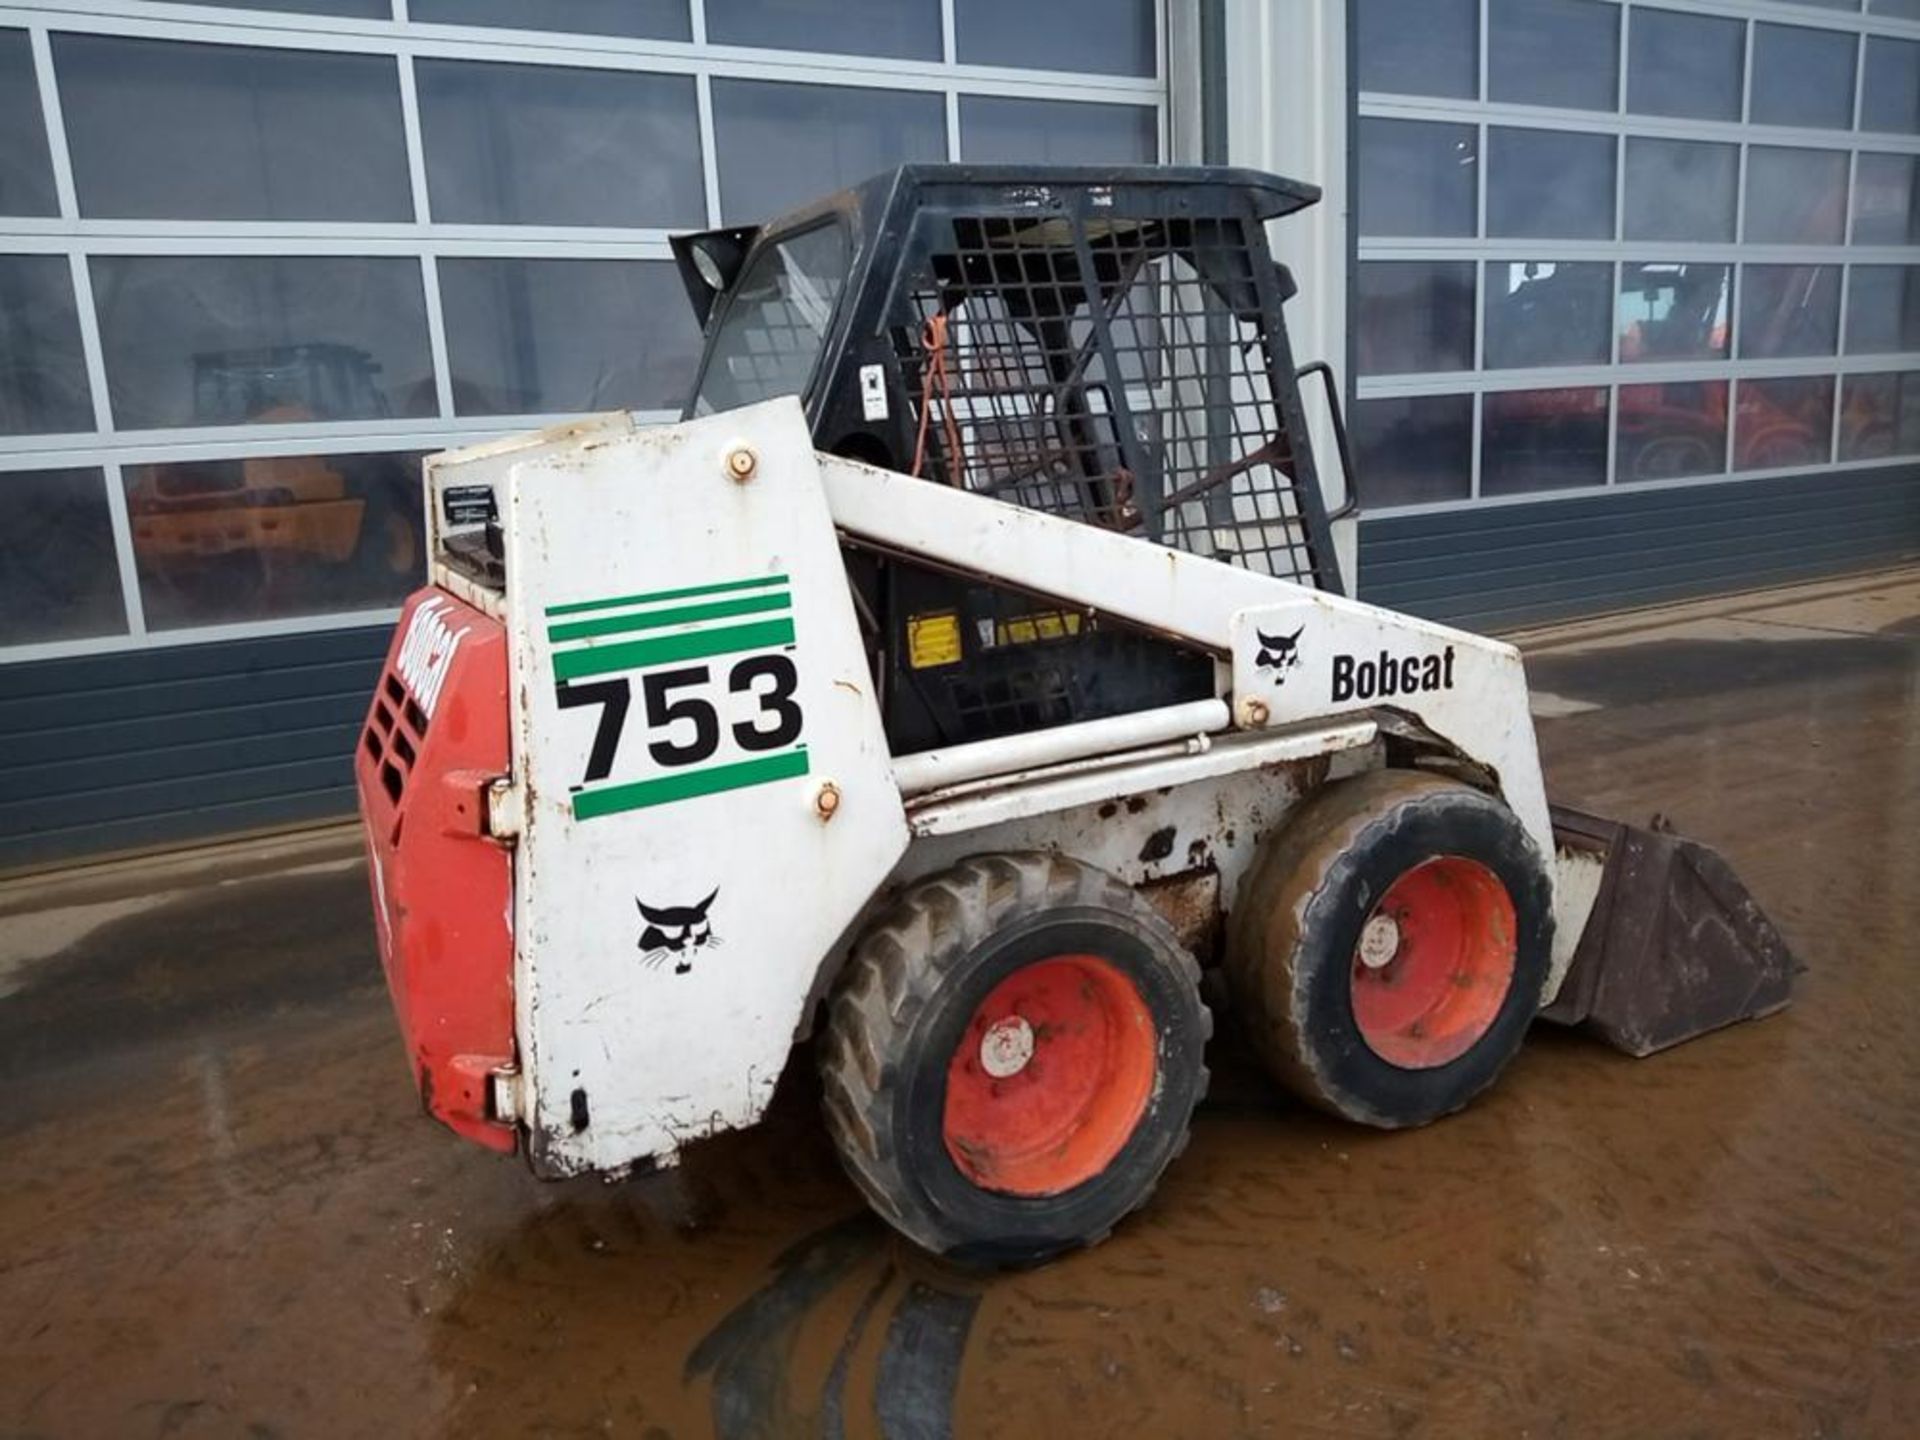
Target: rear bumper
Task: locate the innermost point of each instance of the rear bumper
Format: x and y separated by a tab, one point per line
435	737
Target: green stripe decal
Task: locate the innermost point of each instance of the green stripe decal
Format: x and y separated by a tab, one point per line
578	607
658	619
694	645
689	784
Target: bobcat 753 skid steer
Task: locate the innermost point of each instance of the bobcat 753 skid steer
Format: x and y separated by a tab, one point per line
965	672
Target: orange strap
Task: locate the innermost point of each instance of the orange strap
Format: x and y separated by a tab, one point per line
933	339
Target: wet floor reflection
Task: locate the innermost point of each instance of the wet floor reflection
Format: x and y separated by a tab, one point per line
222	1213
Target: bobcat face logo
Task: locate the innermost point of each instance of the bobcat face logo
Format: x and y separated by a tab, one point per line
676	932
1278	653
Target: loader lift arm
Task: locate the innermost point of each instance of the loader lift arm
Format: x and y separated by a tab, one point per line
1220	609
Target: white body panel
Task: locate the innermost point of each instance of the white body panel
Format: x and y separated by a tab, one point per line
1477	703
1154	826
464	486
1024	795
673	1024
681	895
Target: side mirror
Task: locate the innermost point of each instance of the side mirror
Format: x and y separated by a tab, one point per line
709	263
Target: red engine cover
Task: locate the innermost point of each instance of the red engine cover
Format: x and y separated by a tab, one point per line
436	734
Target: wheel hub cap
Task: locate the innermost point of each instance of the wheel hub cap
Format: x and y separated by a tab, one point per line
1379	942
1006	1047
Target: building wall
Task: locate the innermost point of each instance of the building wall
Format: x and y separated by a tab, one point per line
1284	69
1636	301
1625	298
1496	567
257	258
137	748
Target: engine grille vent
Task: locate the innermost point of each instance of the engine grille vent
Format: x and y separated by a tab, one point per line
396	728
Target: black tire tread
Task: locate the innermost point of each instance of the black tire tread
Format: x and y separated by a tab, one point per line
893	972
1288	879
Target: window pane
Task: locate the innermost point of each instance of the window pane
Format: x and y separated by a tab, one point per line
781	145
1057	132
1891	96
1414	449
26	175
1554	52
1886	200
1542	440
1905	9
231	339
1667	431
1107	37
1780	423
1420	47
1880	416
1789	310
1802	77
1549	184
540	145
908	29
162	130
1795	197
776	320
646	19
59	578
352	9
279	535
1414	315
1674	312
1417	178
1883	309
43	376
1687	65
546	337
1543	312
1680	189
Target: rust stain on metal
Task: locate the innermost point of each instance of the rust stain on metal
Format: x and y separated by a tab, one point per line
1158	845
1190	903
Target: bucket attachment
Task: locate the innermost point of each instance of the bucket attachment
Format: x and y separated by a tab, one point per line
1674	945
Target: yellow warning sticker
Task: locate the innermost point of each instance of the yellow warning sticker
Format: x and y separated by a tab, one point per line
1044	625
933	640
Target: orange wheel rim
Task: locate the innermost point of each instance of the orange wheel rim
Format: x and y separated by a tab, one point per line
1433	963
1050	1077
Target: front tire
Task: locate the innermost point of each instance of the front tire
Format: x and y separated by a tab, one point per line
1012	1056
1389	947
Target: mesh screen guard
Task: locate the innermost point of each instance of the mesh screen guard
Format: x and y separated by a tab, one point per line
1130	373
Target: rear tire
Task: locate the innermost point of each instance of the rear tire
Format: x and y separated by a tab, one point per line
1012	1056
1389	947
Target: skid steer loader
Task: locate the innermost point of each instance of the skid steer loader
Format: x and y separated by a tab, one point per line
968	669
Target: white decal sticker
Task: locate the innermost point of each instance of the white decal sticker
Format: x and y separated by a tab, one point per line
427	653
873	392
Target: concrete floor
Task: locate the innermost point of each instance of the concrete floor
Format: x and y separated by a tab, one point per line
221	1212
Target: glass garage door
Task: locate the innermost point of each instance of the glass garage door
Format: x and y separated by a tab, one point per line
256	259
1609	244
